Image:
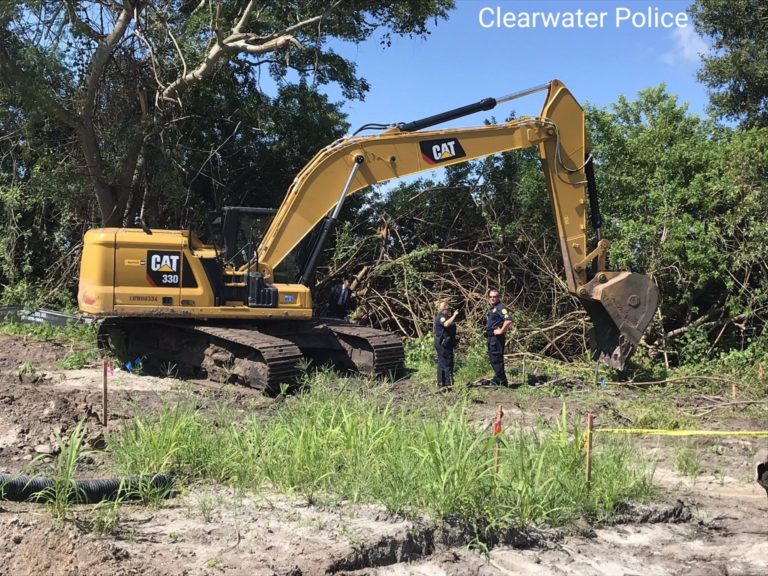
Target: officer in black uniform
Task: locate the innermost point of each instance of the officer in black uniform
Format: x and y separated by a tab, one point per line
341	300
445	342
499	319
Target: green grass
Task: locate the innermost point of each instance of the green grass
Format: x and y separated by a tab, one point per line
81	339
352	444
85	333
686	460
658	412
105	517
78	358
64	491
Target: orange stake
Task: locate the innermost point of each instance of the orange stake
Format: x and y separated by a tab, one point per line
104	405
590	418
497	436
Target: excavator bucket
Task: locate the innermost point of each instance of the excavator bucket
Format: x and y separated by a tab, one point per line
621	305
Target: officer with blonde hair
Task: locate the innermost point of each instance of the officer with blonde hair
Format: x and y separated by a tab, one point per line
445	342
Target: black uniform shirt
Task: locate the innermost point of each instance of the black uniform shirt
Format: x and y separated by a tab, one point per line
444	335
497	315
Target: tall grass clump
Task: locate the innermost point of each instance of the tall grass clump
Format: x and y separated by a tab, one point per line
180	441
541	476
350	442
64	490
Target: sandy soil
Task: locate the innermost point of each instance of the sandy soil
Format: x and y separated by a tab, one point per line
717	524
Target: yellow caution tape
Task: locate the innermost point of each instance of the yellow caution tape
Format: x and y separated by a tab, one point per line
656	432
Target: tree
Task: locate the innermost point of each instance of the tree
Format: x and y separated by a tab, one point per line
737	72
116	75
682	202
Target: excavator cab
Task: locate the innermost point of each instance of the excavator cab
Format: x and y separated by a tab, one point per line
236	232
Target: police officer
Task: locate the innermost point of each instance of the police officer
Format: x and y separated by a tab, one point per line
341	300
499	319
445	342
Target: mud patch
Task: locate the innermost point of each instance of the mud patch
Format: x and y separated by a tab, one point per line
653	513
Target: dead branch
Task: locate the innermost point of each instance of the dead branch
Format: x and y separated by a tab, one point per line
238	42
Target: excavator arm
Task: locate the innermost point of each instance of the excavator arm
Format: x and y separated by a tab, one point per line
621	304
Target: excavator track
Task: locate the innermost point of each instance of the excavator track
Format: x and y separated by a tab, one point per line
373	351
280	358
225	353
263	357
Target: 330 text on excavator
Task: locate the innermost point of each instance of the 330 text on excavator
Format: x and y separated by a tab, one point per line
649	17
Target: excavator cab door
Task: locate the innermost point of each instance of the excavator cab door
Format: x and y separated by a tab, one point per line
237	230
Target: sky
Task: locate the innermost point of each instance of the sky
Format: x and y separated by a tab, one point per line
626	46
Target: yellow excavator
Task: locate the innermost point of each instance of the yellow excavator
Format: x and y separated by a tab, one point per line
220	309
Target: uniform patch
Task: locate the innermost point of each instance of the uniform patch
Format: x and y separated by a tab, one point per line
442	319
504	311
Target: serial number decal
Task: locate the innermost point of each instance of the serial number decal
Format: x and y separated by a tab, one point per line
142	299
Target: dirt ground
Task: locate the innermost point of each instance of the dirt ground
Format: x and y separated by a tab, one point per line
716	524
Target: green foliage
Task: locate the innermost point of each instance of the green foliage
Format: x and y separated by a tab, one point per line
686	460
78	358
420	357
681	199
71	333
472	360
350	443
69	102
745	367
419	350
64	490
736	69
694	346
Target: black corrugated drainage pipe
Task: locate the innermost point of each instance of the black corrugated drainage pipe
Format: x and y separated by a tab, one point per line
41	489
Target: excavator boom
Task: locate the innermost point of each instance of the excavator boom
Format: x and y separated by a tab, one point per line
621	304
